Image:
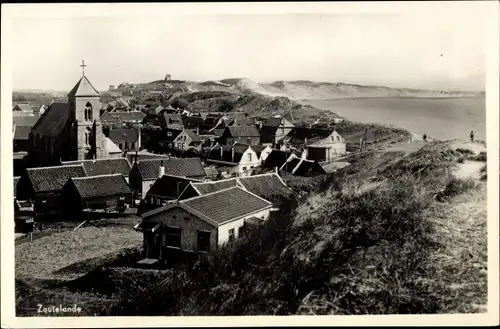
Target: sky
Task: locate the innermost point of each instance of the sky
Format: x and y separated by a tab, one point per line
433	48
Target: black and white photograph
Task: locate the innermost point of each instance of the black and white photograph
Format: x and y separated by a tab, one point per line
266	160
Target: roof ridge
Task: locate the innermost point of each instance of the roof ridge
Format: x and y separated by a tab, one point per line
62	166
217	181
184	177
96	176
211	193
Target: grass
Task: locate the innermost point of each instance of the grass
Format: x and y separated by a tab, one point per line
388	249
43	257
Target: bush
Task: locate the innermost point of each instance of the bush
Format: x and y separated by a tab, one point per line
456	186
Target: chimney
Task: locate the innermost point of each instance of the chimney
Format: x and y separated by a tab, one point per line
162	170
276	170
232	152
304	154
221	152
305	141
139	140
197	130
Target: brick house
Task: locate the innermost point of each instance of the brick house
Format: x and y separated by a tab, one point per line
187	140
144	173
43	186
200	224
103	192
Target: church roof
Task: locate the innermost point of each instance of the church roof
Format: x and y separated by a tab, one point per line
53	120
83	88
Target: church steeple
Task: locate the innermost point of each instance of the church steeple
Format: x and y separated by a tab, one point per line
85	104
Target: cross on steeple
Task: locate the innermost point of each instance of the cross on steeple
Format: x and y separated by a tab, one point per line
83	66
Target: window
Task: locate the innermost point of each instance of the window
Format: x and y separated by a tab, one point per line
231	235
86	138
169	134
244	168
133	145
126	145
173	236
338	138
88	112
120	146
249	155
203	241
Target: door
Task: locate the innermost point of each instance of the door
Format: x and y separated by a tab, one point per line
153	246
203	241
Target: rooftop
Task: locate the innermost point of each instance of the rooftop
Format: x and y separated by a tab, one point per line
103	166
102	185
83	88
46	179
184	167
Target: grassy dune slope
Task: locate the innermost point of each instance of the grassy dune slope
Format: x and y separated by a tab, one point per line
401	242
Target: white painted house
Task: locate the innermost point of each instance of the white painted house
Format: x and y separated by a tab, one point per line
234	160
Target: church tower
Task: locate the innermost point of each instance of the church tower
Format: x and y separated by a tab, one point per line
85	104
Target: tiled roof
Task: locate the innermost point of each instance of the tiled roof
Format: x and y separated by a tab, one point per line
83	88
298	135
243	122
53	178
276	159
267	186
100	186
103	166
272	122
24	107
123	116
184	167
226	205
227	153
306	166
211	171
243	131
53	120
194	136
124	134
173	121
258	149
210	187
190	122
28	121
22	133
218	132
291	164
268	134
169	186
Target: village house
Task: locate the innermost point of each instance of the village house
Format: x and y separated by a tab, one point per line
322	145
127	139
43	186
233	160
118	118
262	152
166	189
21	128
154	109
269	186
276	159
200	224
172	122
144	173
187	140
273	130
99	167
299	166
193	122
211	172
108	193
240	134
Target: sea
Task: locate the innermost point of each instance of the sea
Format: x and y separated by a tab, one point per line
439	118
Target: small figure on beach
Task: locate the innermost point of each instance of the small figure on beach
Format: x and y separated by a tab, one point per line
425	137
362	141
471	135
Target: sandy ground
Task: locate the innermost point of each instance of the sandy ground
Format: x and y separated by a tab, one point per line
469	169
475	147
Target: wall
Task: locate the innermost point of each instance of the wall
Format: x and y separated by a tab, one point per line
237	224
47	203
244	163
189	225
145	186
